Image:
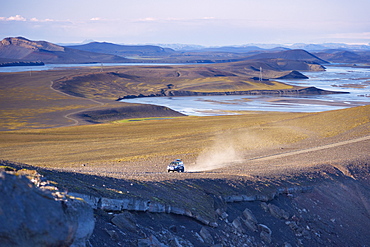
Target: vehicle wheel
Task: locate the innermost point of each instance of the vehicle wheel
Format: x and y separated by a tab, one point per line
168	170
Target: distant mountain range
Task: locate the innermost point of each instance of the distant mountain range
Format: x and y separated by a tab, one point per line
327	46
123	50
298	54
345	56
22	49
19	49
249	47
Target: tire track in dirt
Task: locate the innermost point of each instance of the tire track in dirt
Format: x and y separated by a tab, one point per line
68	116
336	144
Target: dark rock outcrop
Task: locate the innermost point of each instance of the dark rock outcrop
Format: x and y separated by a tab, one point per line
126	112
293	75
296	91
21	63
32	216
325	207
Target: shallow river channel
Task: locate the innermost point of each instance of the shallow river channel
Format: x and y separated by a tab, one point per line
356	81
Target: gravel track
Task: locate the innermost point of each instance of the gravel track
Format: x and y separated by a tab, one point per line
68	116
275	156
335	153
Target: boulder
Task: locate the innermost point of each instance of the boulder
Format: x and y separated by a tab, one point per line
250	220
125	222
265	233
223	215
277	212
149	242
206	236
30	216
249	215
79	211
237	223
264	206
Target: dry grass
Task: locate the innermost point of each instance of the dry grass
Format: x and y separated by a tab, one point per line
332	123
122	81
149	141
28	101
123	141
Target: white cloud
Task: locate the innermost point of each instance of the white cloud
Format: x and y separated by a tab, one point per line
96	19
21	18
37	20
148	19
13	18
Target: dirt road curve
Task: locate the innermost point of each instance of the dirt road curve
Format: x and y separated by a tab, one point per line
336	154
275	156
68	116
272	162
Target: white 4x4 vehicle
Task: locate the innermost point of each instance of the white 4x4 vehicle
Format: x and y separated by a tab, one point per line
176	166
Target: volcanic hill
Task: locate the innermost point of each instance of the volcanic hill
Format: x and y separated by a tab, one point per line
22	49
296	55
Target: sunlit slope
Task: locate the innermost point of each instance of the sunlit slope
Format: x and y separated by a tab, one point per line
28	100
157	80
179	137
332	123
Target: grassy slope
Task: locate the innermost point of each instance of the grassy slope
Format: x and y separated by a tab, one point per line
121	81
28	102
121	142
146	141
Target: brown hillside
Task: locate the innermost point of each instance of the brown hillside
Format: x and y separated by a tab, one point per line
297	55
26	50
119	82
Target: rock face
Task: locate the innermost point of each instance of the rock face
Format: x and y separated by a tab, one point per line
21	63
328	209
301	91
30	216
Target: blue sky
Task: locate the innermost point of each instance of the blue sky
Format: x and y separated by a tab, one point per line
203	22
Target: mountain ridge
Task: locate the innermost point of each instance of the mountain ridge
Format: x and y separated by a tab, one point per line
20	48
296	54
122	50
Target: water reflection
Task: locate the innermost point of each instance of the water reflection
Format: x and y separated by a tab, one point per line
353	80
